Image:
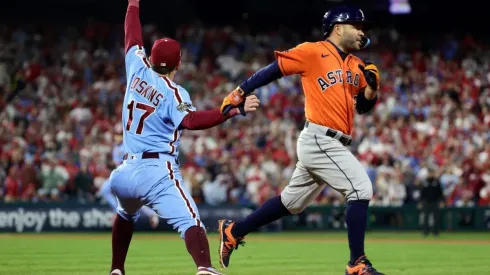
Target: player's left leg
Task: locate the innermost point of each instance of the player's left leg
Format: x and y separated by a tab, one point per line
122	232
335	165
127	212
172	202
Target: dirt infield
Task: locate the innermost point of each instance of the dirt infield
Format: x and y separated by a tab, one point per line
260	238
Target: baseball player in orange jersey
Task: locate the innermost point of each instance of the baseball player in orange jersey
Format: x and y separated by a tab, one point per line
336	84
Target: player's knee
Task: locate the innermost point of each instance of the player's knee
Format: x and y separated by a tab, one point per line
369	192
296	209
365	192
184	229
362	192
184	225
293	206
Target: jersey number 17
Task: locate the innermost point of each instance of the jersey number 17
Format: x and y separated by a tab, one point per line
148	110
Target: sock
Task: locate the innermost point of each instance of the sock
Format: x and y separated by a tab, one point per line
197	245
122	233
270	211
356	219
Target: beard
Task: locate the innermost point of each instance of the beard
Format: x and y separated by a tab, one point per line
352	45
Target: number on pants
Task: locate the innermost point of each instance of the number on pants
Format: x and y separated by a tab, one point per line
148	111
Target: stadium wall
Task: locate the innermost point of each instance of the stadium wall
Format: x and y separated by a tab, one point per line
75	217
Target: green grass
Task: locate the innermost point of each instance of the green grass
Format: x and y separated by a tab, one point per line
284	253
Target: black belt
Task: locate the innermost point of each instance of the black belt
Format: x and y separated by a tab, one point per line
345	140
146	155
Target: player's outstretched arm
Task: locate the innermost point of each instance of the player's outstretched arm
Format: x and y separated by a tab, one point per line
261	78
133	34
294	61
200	120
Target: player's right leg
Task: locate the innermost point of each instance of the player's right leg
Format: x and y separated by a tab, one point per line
303	188
172	202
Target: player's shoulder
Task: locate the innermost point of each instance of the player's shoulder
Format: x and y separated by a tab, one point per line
169	83
179	92
137	51
307	46
303	49
182	98
136	59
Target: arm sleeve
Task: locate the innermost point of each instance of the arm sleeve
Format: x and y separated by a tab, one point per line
133	34
133	40
364	105
295	60
200	120
262	77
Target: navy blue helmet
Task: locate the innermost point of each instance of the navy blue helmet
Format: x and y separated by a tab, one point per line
343	15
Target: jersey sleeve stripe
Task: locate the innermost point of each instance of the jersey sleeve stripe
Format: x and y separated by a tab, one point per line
176	91
177	185
144	59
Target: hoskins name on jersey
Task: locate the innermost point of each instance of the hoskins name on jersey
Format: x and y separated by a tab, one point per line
146	90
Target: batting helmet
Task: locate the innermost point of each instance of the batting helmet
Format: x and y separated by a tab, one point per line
343	15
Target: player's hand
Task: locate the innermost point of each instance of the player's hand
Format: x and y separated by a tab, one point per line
251	104
371	73
233	100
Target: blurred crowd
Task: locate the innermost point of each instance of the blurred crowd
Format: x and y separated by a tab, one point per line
60	134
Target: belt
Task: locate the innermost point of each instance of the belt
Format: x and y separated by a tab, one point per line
344	139
145	155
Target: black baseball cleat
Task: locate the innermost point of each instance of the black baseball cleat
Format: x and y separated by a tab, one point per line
228	242
362	267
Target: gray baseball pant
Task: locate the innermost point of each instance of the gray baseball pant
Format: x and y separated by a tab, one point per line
322	161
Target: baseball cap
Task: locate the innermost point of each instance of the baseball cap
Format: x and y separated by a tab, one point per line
165	53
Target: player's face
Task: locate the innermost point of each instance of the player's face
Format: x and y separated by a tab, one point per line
351	36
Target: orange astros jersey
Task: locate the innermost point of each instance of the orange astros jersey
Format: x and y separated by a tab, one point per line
330	84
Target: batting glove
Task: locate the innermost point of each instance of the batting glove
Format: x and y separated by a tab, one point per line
371	74
235	99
